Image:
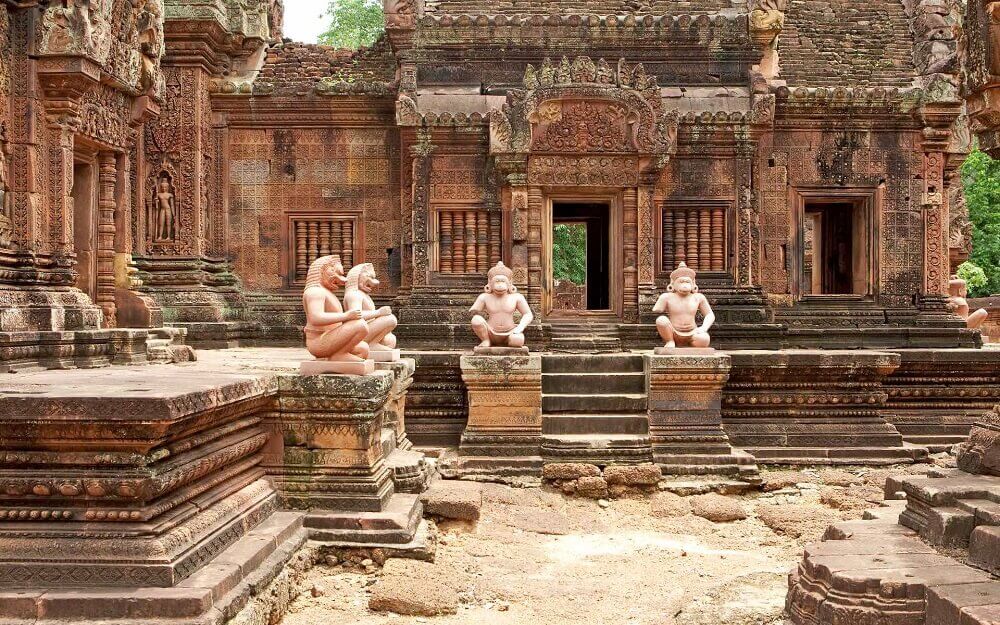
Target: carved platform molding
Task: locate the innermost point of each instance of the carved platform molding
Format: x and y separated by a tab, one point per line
120	485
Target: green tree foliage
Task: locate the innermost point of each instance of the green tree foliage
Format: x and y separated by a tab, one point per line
569	253
974	276
353	23
981	181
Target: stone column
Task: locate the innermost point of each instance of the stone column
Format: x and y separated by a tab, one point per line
630	260
536	206
685	415
421	152
504	431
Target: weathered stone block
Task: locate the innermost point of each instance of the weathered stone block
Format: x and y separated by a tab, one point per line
569	470
684	411
504	428
330	428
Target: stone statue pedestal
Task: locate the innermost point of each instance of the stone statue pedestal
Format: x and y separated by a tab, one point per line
384	355
501	351
685	351
504	431
684	389
336	367
331	460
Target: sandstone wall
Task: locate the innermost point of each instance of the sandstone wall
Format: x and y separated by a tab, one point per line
279	175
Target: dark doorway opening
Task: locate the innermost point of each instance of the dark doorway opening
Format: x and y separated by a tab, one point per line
836	249
581	252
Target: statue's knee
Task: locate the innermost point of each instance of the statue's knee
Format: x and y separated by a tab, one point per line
478	322
392	321
515	340
701	339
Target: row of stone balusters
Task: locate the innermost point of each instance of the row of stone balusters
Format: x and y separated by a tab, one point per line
321	237
468	241
696	236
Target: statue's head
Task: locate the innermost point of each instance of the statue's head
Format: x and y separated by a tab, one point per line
682	280
499	280
327	272
164	183
362	277
957	287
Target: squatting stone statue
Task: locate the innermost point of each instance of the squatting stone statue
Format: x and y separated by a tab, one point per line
332	334
958	291
681	303
500	301
381	322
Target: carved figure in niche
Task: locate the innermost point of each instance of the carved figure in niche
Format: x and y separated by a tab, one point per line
500	301
681	303
381	322
333	335
164	210
958	291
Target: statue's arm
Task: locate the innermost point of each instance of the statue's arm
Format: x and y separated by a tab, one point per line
316	313
526	315
707	313
356	301
480	304
661	304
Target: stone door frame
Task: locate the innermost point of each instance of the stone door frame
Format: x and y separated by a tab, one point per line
614	199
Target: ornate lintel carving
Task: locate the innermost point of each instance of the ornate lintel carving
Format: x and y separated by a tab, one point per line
583	107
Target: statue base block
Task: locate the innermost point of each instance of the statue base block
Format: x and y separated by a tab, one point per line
684	388
384	355
326	367
684	351
504	430
500	351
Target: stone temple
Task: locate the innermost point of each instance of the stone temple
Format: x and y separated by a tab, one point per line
171	169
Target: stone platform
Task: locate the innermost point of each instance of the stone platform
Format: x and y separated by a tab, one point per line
139	493
929	558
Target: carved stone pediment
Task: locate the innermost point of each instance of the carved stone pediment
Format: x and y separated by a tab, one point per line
583	107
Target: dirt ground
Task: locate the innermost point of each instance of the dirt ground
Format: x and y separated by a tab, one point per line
537	557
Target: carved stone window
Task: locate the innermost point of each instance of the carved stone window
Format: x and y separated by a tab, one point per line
310	236
696	234
468	239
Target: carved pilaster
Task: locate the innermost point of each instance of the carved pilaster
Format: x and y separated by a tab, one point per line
422	165
107	178
536	205
647	239
630	292
747	218
935	211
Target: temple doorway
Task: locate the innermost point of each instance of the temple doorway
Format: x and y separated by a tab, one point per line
836	246
581	257
84	193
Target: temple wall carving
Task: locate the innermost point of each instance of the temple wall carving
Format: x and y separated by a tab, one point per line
296	194
886	163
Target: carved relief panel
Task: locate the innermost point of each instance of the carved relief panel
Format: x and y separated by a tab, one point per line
294	193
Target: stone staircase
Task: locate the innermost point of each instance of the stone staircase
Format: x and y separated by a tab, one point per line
594	409
167	345
592	336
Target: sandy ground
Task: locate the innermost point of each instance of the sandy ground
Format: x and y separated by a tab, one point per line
539	558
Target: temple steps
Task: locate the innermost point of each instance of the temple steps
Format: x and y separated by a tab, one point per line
588	337
594	409
586	424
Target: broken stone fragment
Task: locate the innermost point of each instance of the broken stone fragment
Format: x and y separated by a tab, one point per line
717	508
569	471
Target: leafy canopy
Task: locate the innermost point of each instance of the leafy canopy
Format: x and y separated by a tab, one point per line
353	23
569	253
981	182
